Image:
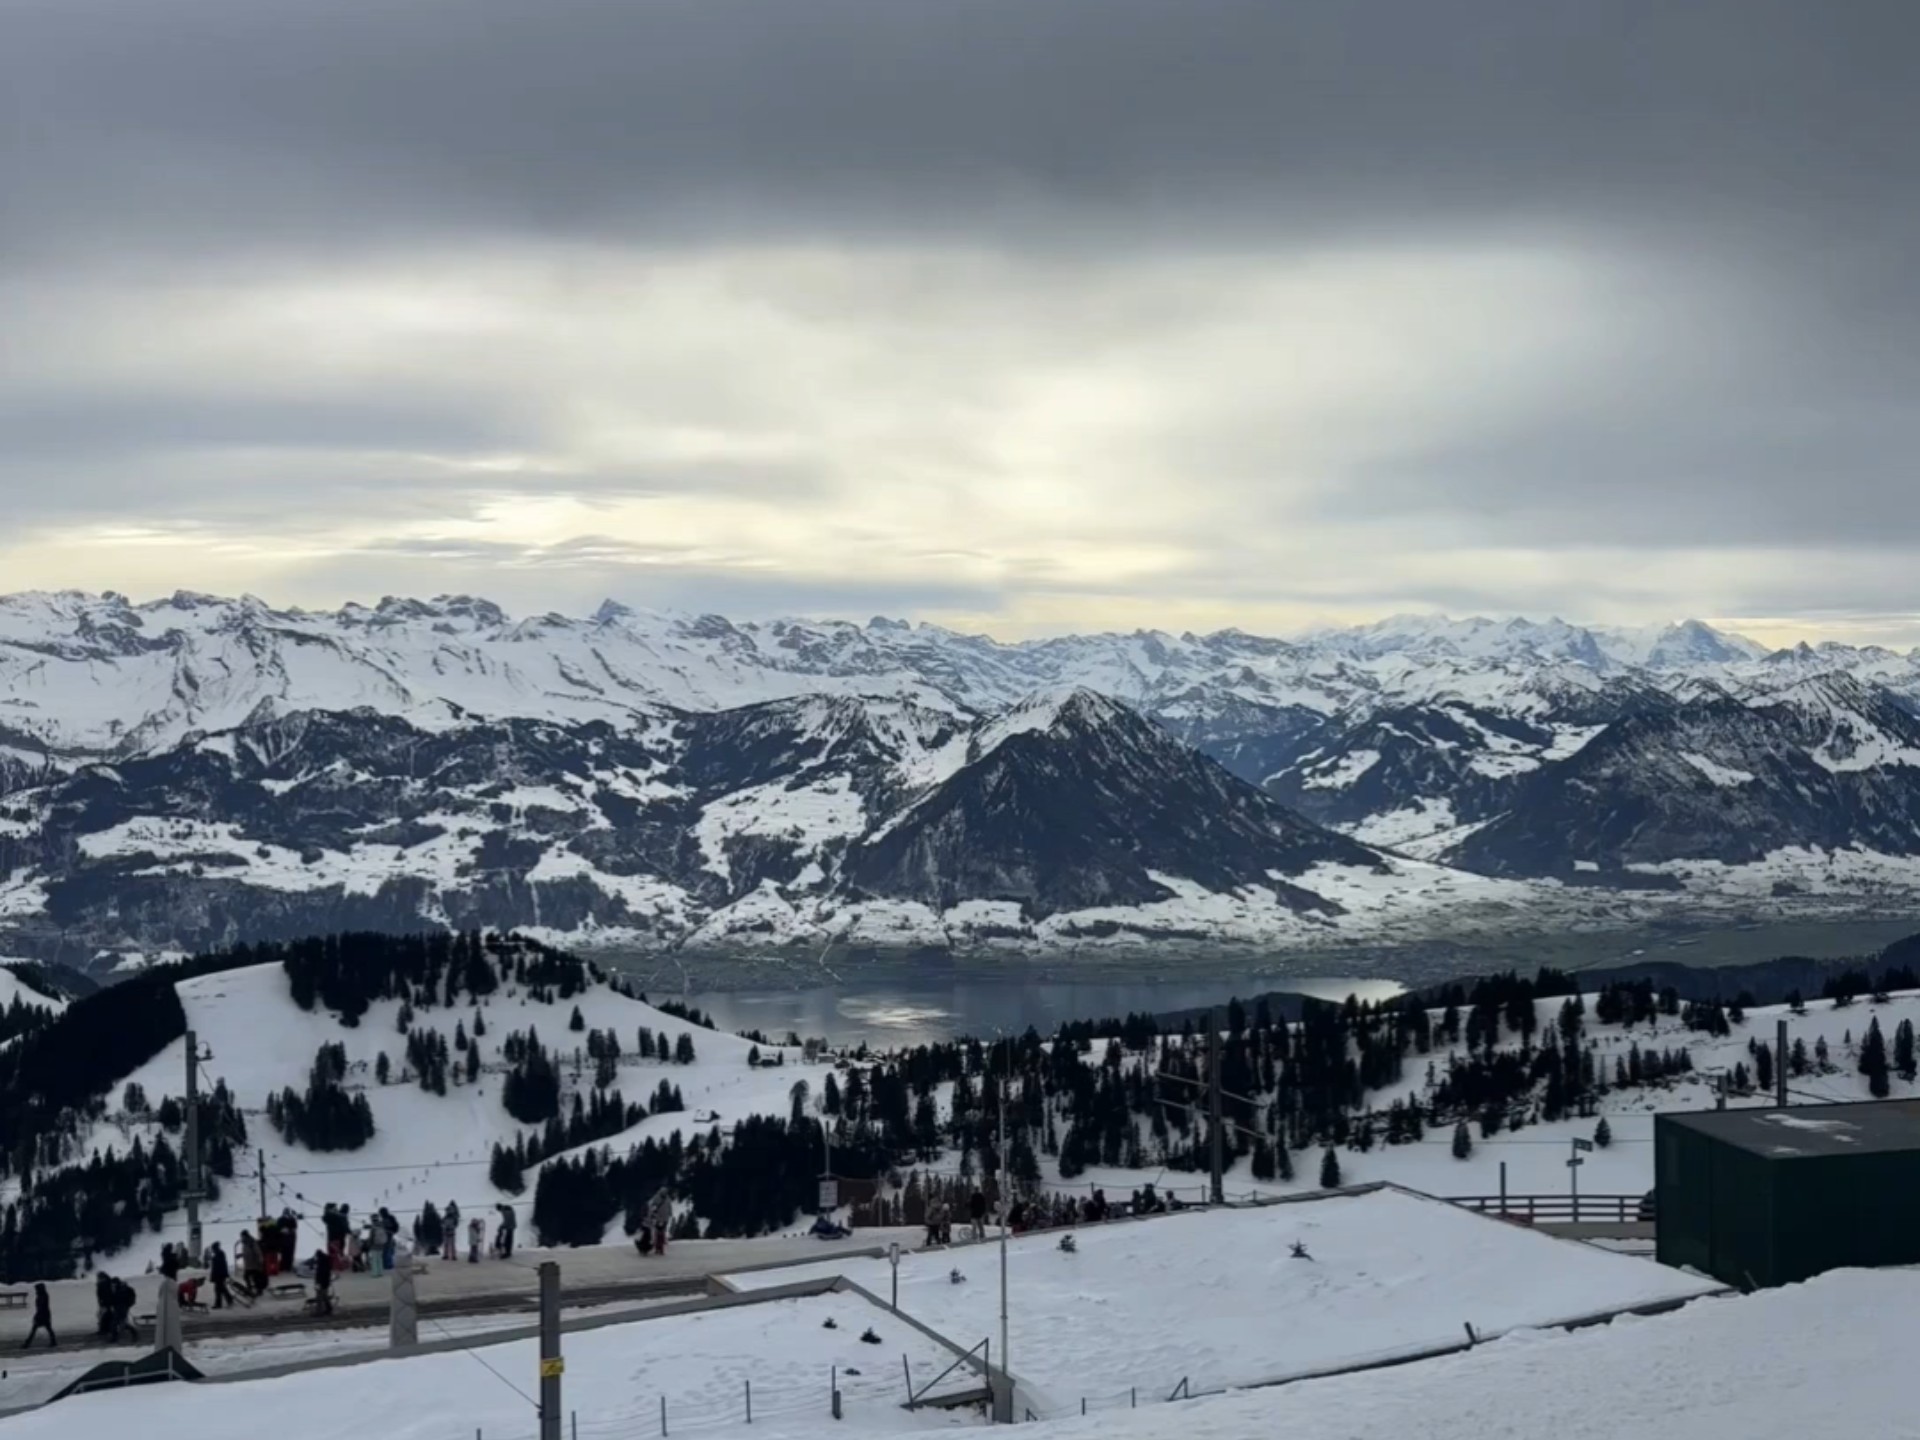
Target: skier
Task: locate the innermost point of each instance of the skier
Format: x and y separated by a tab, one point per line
503	1236
42	1318
659	1217
450	1239
476	1237
390	1245
977	1214
219	1272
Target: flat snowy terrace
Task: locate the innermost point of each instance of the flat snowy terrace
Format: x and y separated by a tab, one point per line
1829	1358
614	1382
1216	1299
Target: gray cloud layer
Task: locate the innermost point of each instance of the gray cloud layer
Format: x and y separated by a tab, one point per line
1736	181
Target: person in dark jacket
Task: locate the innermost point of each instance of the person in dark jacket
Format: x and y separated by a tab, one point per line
503	1237
170	1262
103	1301
219	1271
122	1308
42	1318
323	1282
450	1233
977	1214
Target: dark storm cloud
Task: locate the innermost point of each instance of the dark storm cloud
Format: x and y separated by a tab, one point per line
259	120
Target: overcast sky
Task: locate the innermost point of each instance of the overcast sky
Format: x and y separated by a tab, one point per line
1022	315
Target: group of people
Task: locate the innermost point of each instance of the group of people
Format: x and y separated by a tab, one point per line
503	1233
1040	1212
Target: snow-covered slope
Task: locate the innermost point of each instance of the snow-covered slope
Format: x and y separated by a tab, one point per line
426	1147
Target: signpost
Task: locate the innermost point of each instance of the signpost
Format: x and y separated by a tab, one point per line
1574	1162
829	1194
893	1259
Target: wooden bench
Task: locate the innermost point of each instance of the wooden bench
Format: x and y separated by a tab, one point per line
13	1299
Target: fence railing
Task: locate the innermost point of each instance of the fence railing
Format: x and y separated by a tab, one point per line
1553	1209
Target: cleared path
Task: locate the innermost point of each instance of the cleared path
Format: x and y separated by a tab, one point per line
600	1275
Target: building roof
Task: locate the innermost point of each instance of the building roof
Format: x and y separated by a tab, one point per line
1801	1131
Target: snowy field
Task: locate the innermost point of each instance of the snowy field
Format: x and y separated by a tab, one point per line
1216	1299
1819	1361
614	1383
425	1148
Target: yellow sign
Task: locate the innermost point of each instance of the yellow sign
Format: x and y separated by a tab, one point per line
553	1369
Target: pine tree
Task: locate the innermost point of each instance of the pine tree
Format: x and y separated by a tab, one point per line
1462	1141
1329	1170
683	1049
577	1021
383	1068
1602	1134
1873	1060
1903	1050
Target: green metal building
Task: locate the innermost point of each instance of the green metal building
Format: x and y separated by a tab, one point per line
1766	1196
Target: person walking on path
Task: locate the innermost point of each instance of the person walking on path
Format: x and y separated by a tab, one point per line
503	1236
450	1236
977	1214
476	1237
390	1246
253	1264
374	1250
42	1318
219	1272
659	1217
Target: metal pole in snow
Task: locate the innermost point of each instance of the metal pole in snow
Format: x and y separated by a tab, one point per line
1780	1065
1503	1187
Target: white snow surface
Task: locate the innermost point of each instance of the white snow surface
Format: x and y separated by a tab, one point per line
1217	1299
1823	1359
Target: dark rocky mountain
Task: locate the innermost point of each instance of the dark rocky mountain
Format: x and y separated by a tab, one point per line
1713	780
1076	803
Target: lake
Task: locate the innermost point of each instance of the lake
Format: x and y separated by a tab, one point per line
886	1016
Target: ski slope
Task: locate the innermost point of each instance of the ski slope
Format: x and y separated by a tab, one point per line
425	1148
1217	1300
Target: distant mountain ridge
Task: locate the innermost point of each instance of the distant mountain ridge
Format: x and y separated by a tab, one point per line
193	771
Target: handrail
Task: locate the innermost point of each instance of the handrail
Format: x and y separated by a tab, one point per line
914	1399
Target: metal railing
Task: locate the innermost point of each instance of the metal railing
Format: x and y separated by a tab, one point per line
1553	1209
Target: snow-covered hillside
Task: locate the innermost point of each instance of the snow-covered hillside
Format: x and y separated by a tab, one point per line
426	1147
1533	1154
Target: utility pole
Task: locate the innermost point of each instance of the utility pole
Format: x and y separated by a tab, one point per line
1006	1180
1780	1065
552	1367
196	1174
263	1184
1215	1137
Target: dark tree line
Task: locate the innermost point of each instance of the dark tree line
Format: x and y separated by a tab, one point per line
326	1116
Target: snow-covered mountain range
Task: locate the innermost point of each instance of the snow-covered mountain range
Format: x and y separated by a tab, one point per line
197	770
